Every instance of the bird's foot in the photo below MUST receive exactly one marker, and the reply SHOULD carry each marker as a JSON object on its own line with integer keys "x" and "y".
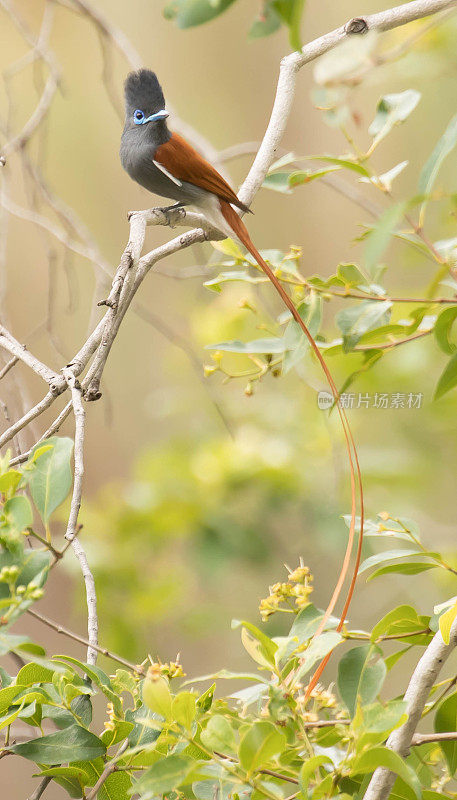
{"x": 168, "y": 212}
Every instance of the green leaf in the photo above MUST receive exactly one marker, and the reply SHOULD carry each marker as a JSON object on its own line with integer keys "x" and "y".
{"x": 184, "y": 709}
{"x": 219, "y": 735}
{"x": 51, "y": 479}
{"x": 302, "y": 176}
{"x": 360, "y": 677}
{"x": 121, "y": 731}
{"x": 308, "y": 768}
{"x": 8, "y": 718}
{"x": 259, "y": 646}
{"x": 291, "y": 12}
{"x": 445, "y": 721}
{"x": 410, "y": 568}
{"x": 9, "y": 481}
{"x": 320, "y": 646}
{"x": 229, "y": 277}
{"x": 445, "y": 622}
{"x": 307, "y": 622}
{"x": 379, "y": 236}
{"x": 164, "y": 776}
{"x": 32, "y": 563}
{"x": 70, "y": 744}
{"x": 448, "y": 379}
{"x": 444, "y": 146}
{"x": 443, "y": 329}
{"x": 392, "y": 109}
{"x": 384, "y": 718}
{"x": 259, "y": 346}
{"x": 261, "y": 742}
{"x": 295, "y": 340}
{"x": 388, "y": 555}
{"x": 188, "y": 13}
{"x": 391, "y": 660}
{"x": 205, "y": 701}
{"x": 34, "y": 673}
{"x": 357, "y": 320}
{"x": 380, "y": 756}
{"x": 11, "y": 641}
{"x": 157, "y": 696}
{"x": 142, "y": 733}
{"x": 385, "y": 180}
{"x": 354, "y": 166}
{"x": 72, "y": 779}
{"x": 350, "y": 275}
{"x": 18, "y": 513}
{"x": 7, "y": 696}
{"x": 267, "y": 23}
{"x": 229, "y": 248}
{"x": 99, "y": 677}
{"x": 116, "y": 787}
{"x": 278, "y": 182}
{"x": 400, "y": 620}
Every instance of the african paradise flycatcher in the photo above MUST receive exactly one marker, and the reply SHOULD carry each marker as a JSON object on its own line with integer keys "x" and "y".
{"x": 165, "y": 164}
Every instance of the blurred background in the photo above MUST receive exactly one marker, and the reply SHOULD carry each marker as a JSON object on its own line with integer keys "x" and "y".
{"x": 196, "y": 494}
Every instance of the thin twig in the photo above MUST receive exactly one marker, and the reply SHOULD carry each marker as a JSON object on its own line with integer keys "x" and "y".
{"x": 70, "y": 535}
{"x": 41, "y": 788}
{"x": 109, "y": 769}
{"x": 9, "y": 365}
{"x": 137, "y": 668}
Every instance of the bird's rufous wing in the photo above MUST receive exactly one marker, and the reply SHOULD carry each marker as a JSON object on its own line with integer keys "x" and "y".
{"x": 183, "y": 162}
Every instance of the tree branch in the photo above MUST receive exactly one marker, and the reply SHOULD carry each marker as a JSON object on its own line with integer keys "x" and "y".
{"x": 110, "y": 767}
{"x": 55, "y": 626}
{"x": 416, "y": 695}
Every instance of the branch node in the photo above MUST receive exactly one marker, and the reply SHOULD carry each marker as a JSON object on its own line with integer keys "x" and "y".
{"x": 357, "y": 25}
{"x": 92, "y": 392}
{"x": 107, "y": 302}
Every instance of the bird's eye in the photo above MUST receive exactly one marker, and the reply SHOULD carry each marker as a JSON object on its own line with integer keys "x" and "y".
{"x": 138, "y": 116}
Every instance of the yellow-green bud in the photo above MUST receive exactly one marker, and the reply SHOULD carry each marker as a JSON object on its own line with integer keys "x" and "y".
{"x": 156, "y": 694}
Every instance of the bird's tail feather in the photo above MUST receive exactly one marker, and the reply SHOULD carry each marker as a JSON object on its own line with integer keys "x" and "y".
{"x": 240, "y": 230}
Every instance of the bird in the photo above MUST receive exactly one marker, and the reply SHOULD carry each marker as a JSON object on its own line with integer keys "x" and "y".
{"x": 164, "y": 163}
{"x": 167, "y": 165}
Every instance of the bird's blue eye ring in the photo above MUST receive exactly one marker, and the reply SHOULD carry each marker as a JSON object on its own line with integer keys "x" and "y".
{"x": 138, "y": 116}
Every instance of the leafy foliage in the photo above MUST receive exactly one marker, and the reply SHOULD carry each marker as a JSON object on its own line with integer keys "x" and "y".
{"x": 273, "y": 14}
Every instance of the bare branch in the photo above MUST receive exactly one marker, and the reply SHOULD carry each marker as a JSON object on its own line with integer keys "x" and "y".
{"x": 422, "y": 680}
{"x": 91, "y": 596}
{"x": 80, "y": 419}
{"x": 82, "y": 640}
{"x": 41, "y": 788}
{"x": 110, "y": 767}
{"x": 21, "y": 423}
{"x": 427, "y": 738}
{"x": 8, "y": 342}
{"x": 291, "y": 64}
{"x": 49, "y": 432}
{"x": 11, "y": 363}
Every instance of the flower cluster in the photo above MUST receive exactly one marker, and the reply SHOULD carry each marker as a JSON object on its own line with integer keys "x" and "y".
{"x": 295, "y": 593}
{"x": 172, "y": 669}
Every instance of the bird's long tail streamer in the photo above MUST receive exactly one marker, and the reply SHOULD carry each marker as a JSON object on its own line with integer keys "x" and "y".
{"x": 241, "y": 232}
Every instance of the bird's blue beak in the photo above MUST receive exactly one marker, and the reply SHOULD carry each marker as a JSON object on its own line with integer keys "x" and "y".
{"x": 158, "y": 115}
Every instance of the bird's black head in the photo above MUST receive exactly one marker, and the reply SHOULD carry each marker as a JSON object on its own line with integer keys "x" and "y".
{"x": 144, "y": 100}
